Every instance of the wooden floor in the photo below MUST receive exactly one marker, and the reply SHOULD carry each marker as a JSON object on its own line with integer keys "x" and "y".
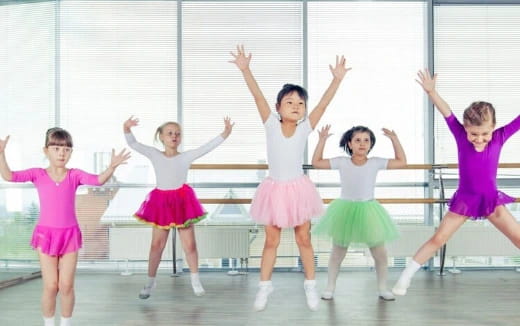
{"x": 471, "y": 298}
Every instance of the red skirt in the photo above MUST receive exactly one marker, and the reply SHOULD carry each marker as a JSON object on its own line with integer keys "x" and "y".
{"x": 166, "y": 209}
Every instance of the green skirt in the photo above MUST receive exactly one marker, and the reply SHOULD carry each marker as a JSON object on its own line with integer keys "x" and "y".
{"x": 365, "y": 222}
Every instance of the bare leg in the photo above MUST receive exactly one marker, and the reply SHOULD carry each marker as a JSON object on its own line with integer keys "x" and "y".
{"x": 303, "y": 240}
{"x": 49, "y": 266}
{"x": 159, "y": 239}
{"x": 265, "y": 287}
{"x": 272, "y": 240}
{"x": 189, "y": 245}
{"x": 192, "y": 256}
{"x": 67, "y": 272}
{"x": 506, "y": 223}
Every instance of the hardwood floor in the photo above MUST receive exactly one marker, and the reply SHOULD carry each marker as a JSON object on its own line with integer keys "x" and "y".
{"x": 470, "y": 298}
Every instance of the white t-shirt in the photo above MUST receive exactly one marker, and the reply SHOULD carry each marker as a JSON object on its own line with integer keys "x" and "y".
{"x": 171, "y": 172}
{"x": 285, "y": 154}
{"x": 358, "y": 182}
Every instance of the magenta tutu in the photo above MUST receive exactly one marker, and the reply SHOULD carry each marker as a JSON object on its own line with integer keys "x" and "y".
{"x": 477, "y": 206}
{"x": 56, "y": 241}
{"x": 286, "y": 203}
{"x": 177, "y": 208}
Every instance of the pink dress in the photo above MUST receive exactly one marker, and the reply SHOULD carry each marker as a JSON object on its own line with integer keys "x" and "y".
{"x": 57, "y": 231}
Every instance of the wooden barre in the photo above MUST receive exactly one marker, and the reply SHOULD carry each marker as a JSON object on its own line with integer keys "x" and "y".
{"x": 328, "y": 200}
{"x": 308, "y": 166}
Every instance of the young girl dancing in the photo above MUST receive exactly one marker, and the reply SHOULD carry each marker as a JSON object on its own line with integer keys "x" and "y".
{"x": 287, "y": 198}
{"x": 172, "y": 204}
{"x": 477, "y": 197}
{"x": 57, "y": 236}
{"x": 357, "y": 217}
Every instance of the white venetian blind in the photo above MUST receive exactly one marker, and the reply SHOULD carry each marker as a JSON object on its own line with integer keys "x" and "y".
{"x": 27, "y": 96}
{"x": 476, "y": 57}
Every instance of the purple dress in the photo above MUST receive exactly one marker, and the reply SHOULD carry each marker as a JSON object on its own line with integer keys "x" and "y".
{"x": 477, "y": 195}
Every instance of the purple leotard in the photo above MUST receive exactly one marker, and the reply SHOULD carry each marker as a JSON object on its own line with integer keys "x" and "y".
{"x": 57, "y": 231}
{"x": 477, "y": 195}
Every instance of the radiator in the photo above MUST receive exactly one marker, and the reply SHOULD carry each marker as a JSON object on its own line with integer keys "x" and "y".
{"x": 480, "y": 240}
{"x": 133, "y": 243}
{"x": 410, "y": 239}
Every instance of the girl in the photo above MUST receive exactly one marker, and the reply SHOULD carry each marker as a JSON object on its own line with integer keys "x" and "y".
{"x": 357, "y": 217}
{"x": 172, "y": 204}
{"x": 57, "y": 236}
{"x": 287, "y": 198}
{"x": 477, "y": 196}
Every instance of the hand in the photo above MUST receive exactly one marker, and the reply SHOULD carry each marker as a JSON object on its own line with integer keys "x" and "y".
{"x": 120, "y": 158}
{"x": 389, "y": 133}
{"x": 131, "y": 122}
{"x": 228, "y": 127}
{"x": 241, "y": 60}
{"x": 339, "y": 71}
{"x": 324, "y": 132}
{"x": 426, "y": 81}
{"x": 3, "y": 144}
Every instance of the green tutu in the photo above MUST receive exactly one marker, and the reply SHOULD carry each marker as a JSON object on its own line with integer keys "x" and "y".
{"x": 347, "y": 222}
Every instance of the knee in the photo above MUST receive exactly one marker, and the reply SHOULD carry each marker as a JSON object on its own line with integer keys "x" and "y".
{"x": 190, "y": 248}
{"x": 303, "y": 240}
{"x": 158, "y": 245}
{"x": 51, "y": 288}
{"x": 272, "y": 242}
{"x": 438, "y": 240}
{"x": 66, "y": 288}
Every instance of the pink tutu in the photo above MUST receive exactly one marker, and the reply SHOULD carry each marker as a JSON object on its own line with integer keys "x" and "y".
{"x": 286, "y": 203}
{"x": 166, "y": 209}
{"x": 477, "y": 206}
{"x": 56, "y": 241}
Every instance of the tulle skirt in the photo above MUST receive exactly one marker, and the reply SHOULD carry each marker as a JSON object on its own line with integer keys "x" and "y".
{"x": 477, "y": 206}
{"x": 56, "y": 241}
{"x": 364, "y": 222}
{"x": 166, "y": 209}
{"x": 286, "y": 203}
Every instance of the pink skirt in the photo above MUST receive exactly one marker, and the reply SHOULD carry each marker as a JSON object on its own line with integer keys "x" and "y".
{"x": 166, "y": 209}
{"x": 286, "y": 203}
{"x": 56, "y": 241}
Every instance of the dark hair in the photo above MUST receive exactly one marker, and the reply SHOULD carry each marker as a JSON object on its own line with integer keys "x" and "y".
{"x": 347, "y": 137}
{"x": 479, "y": 112}
{"x": 289, "y": 88}
{"x": 58, "y": 137}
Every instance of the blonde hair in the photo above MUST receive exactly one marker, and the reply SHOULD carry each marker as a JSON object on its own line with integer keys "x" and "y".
{"x": 478, "y": 113}
{"x": 161, "y": 127}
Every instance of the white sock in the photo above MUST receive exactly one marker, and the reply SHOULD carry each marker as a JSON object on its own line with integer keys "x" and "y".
{"x": 410, "y": 270}
{"x": 65, "y": 321}
{"x": 151, "y": 282}
{"x": 48, "y": 321}
{"x": 265, "y": 283}
{"x": 336, "y": 257}
{"x": 196, "y": 285}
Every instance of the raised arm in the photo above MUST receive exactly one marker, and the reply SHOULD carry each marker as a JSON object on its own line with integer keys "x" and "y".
{"x": 400, "y": 157}
{"x": 116, "y": 160}
{"x": 132, "y": 142}
{"x": 242, "y": 62}
{"x": 5, "y": 171}
{"x": 338, "y": 72}
{"x": 194, "y": 154}
{"x": 317, "y": 158}
{"x": 427, "y": 82}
